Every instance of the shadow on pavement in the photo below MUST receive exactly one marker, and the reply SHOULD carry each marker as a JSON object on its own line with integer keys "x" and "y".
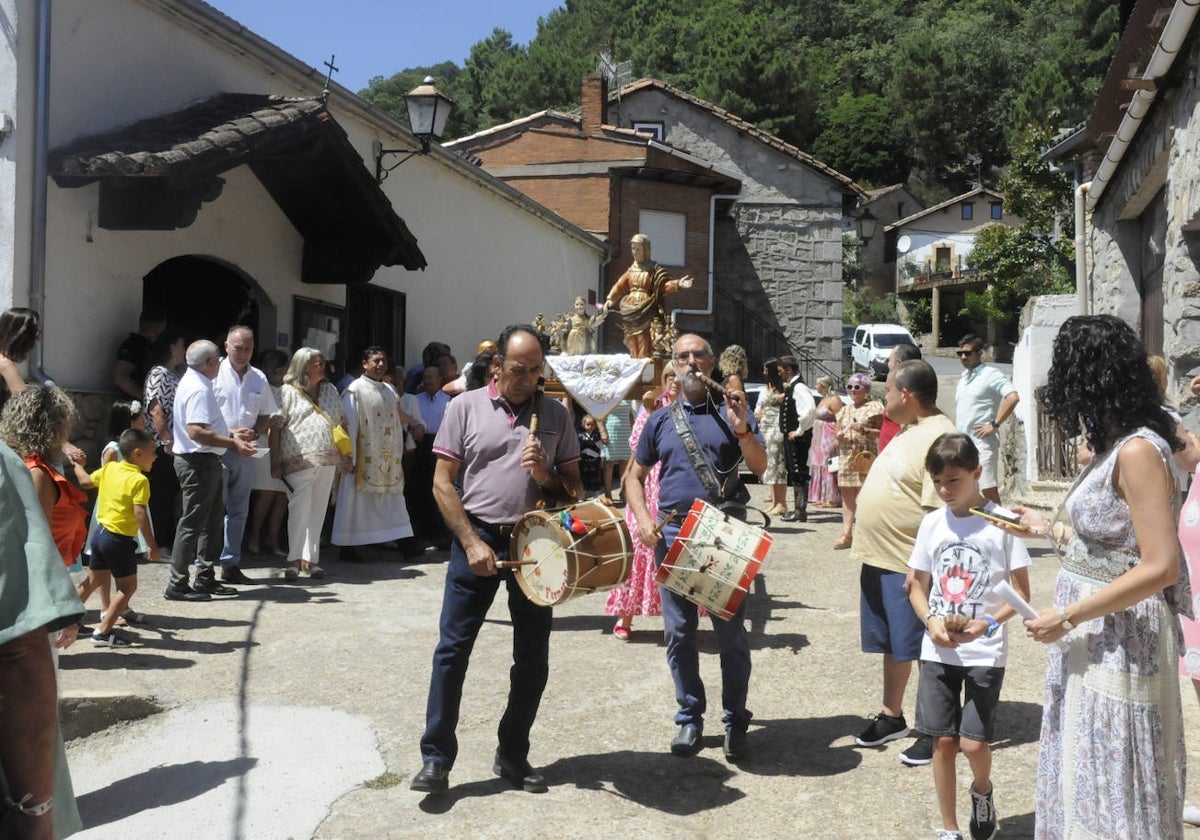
{"x": 1021, "y": 723}
{"x": 801, "y": 746}
{"x": 1018, "y": 826}
{"x": 106, "y": 660}
{"x": 159, "y": 787}
{"x": 680, "y": 786}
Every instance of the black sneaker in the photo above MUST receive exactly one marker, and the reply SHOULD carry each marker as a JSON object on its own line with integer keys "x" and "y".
{"x": 113, "y": 639}
{"x": 983, "y": 815}
{"x": 211, "y": 587}
{"x": 920, "y": 753}
{"x": 883, "y": 728}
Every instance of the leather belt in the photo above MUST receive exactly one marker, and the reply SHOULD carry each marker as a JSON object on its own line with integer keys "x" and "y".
{"x": 497, "y": 531}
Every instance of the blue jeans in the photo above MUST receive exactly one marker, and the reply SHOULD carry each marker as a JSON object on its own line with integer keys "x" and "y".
{"x": 680, "y": 620}
{"x": 238, "y": 474}
{"x": 465, "y": 604}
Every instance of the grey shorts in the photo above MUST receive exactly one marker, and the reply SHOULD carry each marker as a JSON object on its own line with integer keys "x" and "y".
{"x": 958, "y": 700}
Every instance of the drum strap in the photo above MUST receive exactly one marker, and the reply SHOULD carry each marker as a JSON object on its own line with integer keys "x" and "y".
{"x": 704, "y": 470}
{"x": 687, "y": 436}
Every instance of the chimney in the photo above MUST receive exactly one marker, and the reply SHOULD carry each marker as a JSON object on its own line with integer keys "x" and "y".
{"x": 595, "y": 102}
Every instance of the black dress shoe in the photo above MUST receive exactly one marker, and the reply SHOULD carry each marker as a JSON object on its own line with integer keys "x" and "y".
{"x": 802, "y": 514}
{"x": 185, "y": 594}
{"x": 433, "y": 777}
{"x": 211, "y": 587}
{"x": 687, "y": 742}
{"x": 519, "y": 774}
{"x": 232, "y": 574}
{"x": 792, "y": 516}
{"x": 349, "y": 554}
{"x": 736, "y": 745}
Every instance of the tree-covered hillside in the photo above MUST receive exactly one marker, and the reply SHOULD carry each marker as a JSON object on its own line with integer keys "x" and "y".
{"x": 883, "y": 90}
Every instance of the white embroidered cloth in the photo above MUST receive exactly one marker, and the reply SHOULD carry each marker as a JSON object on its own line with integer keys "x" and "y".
{"x": 598, "y": 383}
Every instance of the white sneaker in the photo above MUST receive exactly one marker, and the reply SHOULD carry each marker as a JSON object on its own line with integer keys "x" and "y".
{"x": 947, "y": 834}
{"x": 1191, "y": 815}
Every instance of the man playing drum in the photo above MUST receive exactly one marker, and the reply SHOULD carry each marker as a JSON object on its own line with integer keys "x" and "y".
{"x": 511, "y": 449}
{"x": 725, "y": 434}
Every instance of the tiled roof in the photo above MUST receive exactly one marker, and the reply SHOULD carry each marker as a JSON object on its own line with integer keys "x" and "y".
{"x": 744, "y": 127}
{"x": 197, "y": 140}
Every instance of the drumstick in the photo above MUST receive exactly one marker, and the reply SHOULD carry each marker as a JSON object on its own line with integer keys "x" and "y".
{"x": 658, "y": 528}
{"x": 510, "y": 563}
{"x": 710, "y": 382}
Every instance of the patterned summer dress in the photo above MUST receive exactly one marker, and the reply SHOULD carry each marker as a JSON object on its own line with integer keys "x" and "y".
{"x": 1112, "y": 758}
{"x": 868, "y": 414}
{"x": 639, "y": 595}
{"x": 772, "y": 434}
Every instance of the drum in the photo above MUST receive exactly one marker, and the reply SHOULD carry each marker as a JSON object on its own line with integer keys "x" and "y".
{"x": 714, "y": 560}
{"x": 562, "y": 554}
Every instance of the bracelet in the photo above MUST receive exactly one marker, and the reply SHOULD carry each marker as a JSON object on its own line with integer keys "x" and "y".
{"x": 1066, "y": 622}
{"x": 928, "y": 615}
{"x": 744, "y": 435}
{"x": 992, "y": 624}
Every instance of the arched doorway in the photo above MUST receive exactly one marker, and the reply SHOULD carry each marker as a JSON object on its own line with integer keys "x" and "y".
{"x": 203, "y": 298}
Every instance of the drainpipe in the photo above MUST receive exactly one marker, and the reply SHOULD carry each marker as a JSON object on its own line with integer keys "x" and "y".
{"x": 1165, "y": 53}
{"x": 712, "y": 227}
{"x": 41, "y": 153}
{"x": 1082, "y": 281}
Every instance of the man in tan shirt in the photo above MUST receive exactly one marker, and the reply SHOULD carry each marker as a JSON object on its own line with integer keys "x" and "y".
{"x": 895, "y": 496}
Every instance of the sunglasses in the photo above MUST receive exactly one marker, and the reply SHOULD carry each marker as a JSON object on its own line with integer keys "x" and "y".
{"x": 858, "y": 388}
{"x": 964, "y": 353}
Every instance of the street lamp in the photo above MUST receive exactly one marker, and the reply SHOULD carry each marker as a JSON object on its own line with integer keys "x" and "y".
{"x": 428, "y": 110}
{"x": 867, "y": 225}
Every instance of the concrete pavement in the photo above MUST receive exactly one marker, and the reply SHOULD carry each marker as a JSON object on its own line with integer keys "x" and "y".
{"x": 294, "y": 711}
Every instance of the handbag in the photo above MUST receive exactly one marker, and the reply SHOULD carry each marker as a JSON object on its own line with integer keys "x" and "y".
{"x": 341, "y": 438}
{"x": 834, "y": 463}
{"x": 862, "y": 461}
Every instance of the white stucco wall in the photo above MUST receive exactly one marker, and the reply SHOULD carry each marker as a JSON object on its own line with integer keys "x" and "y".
{"x": 491, "y": 261}
{"x": 1031, "y": 363}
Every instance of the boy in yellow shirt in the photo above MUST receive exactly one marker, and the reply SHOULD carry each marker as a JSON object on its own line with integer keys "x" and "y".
{"x": 121, "y": 512}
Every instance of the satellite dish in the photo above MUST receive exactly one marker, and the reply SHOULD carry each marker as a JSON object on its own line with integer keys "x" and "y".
{"x": 903, "y": 245}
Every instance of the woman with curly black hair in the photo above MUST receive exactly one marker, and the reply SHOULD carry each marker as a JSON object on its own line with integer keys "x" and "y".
{"x": 1112, "y": 751}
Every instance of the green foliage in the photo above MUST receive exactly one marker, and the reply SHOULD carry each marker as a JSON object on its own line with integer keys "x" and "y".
{"x": 862, "y": 136}
{"x": 862, "y": 306}
{"x": 1031, "y": 190}
{"x": 920, "y": 315}
{"x": 883, "y": 90}
{"x": 1018, "y": 263}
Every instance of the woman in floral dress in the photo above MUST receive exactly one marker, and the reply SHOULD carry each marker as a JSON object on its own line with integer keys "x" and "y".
{"x": 822, "y": 484}
{"x": 638, "y": 595}
{"x": 1111, "y": 758}
{"x": 767, "y": 414}
{"x": 857, "y": 431}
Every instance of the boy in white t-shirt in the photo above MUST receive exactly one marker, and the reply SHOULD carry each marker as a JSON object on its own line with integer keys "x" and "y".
{"x": 958, "y": 559}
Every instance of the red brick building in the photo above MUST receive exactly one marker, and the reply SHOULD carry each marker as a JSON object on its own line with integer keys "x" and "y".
{"x": 614, "y": 182}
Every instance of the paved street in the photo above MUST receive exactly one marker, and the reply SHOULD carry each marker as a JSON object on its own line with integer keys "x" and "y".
{"x": 294, "y": 711}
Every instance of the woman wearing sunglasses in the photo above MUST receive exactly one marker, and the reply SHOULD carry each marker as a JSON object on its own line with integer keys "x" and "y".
{"x": 858, "y": 427}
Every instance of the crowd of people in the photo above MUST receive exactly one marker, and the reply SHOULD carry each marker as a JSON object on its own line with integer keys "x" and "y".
{"x": 248, "y": 447}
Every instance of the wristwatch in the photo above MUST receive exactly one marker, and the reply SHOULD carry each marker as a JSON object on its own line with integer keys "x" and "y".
{"x": 995, "y": 422}
{"x": 993, "y": 626}
{"x": 1066, "y": 622}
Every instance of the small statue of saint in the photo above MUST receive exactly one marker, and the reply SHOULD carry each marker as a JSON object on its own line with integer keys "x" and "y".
{"x": 581, "y": 331}
{"x": 639, "y": 293}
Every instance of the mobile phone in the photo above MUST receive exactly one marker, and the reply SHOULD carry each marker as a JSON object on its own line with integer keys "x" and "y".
{"x": 1002, "y": 516}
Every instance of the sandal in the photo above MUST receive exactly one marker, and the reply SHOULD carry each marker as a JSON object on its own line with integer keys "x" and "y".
{"x": 315, "y": 571}
{"x": 621, "y": 631}
{"x": 133, "y": 616}
{"x": 291, "y": 571}
{"x": 844, "y": 541}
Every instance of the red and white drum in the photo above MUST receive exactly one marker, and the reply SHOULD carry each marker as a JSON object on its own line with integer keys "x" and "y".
{"x": 714, "y": 560}
{"x": 560, "y": 555}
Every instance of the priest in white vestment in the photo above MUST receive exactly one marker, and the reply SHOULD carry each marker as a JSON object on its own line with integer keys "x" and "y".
{"x": 370, "y": 503}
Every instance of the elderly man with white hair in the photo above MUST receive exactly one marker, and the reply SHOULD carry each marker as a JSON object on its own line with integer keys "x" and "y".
{"x": 201, "y": 437}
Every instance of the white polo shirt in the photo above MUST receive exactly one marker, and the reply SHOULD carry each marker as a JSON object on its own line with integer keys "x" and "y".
{"x": 195, "y": 402}
{"x": 243, "y": 399}
{"x": 980, "y": 391}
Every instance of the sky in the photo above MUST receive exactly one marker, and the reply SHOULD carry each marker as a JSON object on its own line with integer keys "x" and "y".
{"x": 382, "y": 37}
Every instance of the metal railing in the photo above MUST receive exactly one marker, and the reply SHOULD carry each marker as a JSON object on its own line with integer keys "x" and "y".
{"x": 733, "y": 323}
{"x": 1056, "y": 454}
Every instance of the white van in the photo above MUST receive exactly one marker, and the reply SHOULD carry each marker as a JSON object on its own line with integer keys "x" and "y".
{"x": 873, "y": 344}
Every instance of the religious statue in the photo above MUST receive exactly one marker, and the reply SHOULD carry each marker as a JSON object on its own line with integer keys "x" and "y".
{"x": 640, "y": 292}
{"x": 581, "y": 329}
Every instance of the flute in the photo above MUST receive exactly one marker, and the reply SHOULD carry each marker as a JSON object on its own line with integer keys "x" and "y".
{"x": 537, "y": 403}
{"x": 711, "y": 383}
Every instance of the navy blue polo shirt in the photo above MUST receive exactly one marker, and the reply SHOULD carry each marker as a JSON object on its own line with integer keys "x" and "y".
{"x": 678, "y": 484}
